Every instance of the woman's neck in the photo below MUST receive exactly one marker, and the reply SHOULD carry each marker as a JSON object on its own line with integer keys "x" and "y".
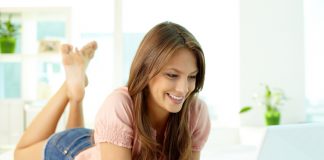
{"x": 158, "y": 118}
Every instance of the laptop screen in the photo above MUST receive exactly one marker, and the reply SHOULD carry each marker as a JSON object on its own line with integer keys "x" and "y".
{"x": 293, "y": 142}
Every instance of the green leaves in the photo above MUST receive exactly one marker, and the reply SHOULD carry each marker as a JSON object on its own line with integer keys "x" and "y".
{"x": 7, "y": 28}
{"x": 267, "y": 97}
{"x": 245, "y": 109}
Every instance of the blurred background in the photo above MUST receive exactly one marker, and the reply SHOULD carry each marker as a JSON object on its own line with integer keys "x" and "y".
{"x": 246, "y": 43}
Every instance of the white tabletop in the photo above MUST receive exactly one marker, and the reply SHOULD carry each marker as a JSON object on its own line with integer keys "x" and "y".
{"x": 230, "y": 152}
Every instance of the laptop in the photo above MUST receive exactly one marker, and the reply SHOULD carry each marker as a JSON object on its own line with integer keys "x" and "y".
{"x": 293, "y": 142}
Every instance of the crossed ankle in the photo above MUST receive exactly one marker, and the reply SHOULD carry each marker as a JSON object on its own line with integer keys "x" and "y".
{"x": 76, "y": 101}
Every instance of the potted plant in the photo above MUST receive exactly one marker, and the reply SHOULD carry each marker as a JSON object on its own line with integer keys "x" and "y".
{"x": 8, "y": 33}
{"x": 271, "y": 99}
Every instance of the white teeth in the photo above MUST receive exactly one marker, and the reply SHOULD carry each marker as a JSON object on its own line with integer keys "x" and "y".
{"x": 175, "y": 97}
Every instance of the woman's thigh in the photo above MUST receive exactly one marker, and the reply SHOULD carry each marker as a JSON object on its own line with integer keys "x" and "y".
{"x": 33, "y": 152}
{"x": 60, "y": 146}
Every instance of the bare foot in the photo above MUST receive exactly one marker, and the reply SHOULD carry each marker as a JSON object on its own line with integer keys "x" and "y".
{"x": 75, "y": 63}
{"x": 88, "y": 51}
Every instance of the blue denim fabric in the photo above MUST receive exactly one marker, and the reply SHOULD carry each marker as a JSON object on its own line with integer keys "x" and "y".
{"x": 67, "y": 144}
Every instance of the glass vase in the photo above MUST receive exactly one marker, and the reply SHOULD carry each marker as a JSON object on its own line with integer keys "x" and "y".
{"x": 7, "y": 45}
{"x": 272, "y": 117}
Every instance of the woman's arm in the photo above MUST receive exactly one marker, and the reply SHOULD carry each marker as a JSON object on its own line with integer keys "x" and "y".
{"x": 112, "y": 152}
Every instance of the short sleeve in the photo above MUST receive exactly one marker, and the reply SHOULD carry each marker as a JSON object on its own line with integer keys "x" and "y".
{"x": 200, "y": 124}
{"x": 114, "y": 120}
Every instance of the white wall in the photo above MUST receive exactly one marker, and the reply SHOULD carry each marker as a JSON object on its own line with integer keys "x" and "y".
{"x": 272, "y": 52}
{"x": 271, "y": 42}
{"x": 11, "y": 121}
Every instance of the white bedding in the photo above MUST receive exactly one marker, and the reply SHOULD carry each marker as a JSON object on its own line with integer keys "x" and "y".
{"x": 8, "y": 155}
{"x": 233, "y": 152}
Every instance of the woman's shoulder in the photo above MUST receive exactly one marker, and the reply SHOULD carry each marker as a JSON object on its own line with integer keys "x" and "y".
{"x": 121, "y": 92}
{"x": 199, "y": 123}
{"x": 114, "y": 120}
{"x": 119, "y": 95}
{"x": 198, "y": 105}
{"x": 118, "y": 101}
{"x": 198, "y": 112}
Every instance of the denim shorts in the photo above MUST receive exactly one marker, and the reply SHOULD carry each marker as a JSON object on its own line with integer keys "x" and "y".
{"x": 67, "y": 144}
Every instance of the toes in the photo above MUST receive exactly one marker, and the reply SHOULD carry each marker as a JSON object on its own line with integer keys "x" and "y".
{"x": 91, "y": 45}
{"x": 94, "y": 45}
{"x": 89, "y": 48}
{"x": 66, "y": 48}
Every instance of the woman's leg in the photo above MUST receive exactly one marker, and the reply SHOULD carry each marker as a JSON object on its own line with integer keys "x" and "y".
{"x": 44, "y": 124}
{"x": 31, "y": 144}
{"x": 75, "y": 118}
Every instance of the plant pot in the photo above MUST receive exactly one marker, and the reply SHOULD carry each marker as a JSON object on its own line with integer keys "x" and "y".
{"x": 272, "y": 117}
{"x": 7, "y": 44}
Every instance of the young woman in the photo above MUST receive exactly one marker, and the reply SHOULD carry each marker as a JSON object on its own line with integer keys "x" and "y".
{"x": 156, "y": 116}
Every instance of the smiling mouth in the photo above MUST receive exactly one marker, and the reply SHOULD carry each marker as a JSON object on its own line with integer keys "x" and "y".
{"x": 176, "y": 99}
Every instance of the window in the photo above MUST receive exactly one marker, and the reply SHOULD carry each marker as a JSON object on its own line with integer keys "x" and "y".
{"x": 10, "y": 80}
{"x": 314, "y": 56}
{"x": 214, "y": 23}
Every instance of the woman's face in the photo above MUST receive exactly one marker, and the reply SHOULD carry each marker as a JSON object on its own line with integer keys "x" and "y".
{"x": 169, "y": 89}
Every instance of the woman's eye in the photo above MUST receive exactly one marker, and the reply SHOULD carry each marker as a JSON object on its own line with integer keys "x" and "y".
{"x": 170, "y": 75}
{"x": 192, "y": 77}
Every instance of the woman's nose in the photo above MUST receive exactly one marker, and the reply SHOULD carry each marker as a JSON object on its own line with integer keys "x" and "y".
{"x": 182, "y": 86}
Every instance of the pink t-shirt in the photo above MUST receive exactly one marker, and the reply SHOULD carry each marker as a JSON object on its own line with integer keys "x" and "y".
{"x": 114, "y": 124}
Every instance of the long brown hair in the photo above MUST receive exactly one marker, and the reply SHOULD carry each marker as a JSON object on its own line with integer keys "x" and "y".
{"x": 158, "y": 45}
